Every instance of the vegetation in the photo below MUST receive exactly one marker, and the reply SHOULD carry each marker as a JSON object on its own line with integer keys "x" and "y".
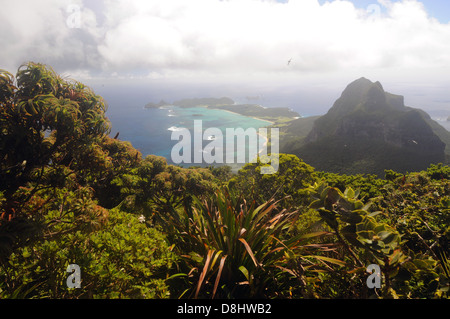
{"x": 277, "y": 115}
{"x": 140, "y": 228}
{"x": 204, "y": 102}
{"x": 368, "y": 130}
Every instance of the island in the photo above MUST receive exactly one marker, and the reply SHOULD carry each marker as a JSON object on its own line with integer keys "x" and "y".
{"x": 161, "y": 103}
{"x": 276, "y": 115}
{"x": 207, "y": 102}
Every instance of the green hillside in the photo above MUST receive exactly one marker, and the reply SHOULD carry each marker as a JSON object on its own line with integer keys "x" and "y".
{"x": 368, "y": 130}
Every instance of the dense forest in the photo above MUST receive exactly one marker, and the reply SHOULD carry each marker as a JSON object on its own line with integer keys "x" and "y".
{"x": 141, "y": 228}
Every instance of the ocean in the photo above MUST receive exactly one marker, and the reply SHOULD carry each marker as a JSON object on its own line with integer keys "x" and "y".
{"x": 150, "y": 129}
{"x": 443, "y": 122}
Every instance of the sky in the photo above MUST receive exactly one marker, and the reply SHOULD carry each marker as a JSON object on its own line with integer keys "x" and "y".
{"x": 239, "y": 47}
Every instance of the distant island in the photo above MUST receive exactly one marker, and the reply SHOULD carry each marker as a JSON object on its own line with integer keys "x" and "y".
{"x": 206, "y": 102}
{"x": 276, "y": 115}
{"x": 156, "y": 105}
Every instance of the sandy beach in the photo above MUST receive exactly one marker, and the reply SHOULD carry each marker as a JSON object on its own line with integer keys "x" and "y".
{"x": 253, "y": 117}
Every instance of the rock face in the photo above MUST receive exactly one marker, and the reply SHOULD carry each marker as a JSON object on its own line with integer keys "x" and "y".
{"x": 368, "y": 130}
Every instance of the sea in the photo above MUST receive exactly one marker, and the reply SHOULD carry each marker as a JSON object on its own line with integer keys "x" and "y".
{"x": 443, "y": 121}
{"x": 153, "y": 131}
{"x": 150, "y": 129}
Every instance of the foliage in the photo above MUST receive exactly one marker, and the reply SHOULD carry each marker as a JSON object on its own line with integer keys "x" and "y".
{"x": 237, "y": 249}
{"x": 287, "y": 184}
{"x": 438, "y": 171}
{"x": 51, "y": 131}
{"x": 141, "y": 228}
{"x": 223, "y": 173}
{"x": 368, "y": 185}
{"x": 389, "y": 231}
{"x": 127, "y": 259}
{"x": 155, "y": 188}
{"x": 46, "y": 121}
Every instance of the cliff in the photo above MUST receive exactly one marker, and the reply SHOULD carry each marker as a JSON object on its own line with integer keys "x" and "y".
{"x": 368, "y": 130}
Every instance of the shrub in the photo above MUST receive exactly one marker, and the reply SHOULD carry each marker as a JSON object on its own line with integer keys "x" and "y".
{"x": 125, "y": 259}
{"x": 235, "y": 249}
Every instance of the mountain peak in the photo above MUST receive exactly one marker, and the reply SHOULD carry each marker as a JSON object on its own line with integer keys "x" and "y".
{"x": 364, "y": 95}
{"x": 361, "y": 85}
{"x": 366, "y": 122}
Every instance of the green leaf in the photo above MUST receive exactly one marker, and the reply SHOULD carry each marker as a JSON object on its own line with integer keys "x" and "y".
{"x": 349, "y": 193}
{"x": 387, "y": 237}
{"x": 365, "y": 234}
{"x": 26, "y": 253}
{"x": 330, "y": 260}
{"x": 245, "y": 272}
{"x": 176, "y": 276}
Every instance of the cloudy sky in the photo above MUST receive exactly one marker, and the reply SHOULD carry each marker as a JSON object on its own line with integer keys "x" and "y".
{"x": 404, "y": 44}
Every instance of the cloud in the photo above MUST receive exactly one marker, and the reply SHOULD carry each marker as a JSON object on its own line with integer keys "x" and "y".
{"x": 234, "y": 39}
{"x": 44, "y": 32}
{"x": 254, "y": 38}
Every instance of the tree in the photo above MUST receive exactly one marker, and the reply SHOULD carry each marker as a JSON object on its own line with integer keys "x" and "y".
{"x": 157, "y": 189}
{"x": 288, "y": 184}
{"x": 46, "y": 121}
{"x": 53, "y": 152}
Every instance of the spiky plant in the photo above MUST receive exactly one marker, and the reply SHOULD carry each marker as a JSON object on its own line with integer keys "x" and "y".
{"x": 239, "y": 250}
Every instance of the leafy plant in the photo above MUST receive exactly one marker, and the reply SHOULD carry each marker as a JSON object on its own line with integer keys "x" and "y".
{"x": 355, "y": 226}
{"x": 288, "y": 185}
{"x": 240, "y": 250}
{"x": 126, "y": 259}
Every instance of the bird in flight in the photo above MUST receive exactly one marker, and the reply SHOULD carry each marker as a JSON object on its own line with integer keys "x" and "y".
{"x": 289, "y": 62}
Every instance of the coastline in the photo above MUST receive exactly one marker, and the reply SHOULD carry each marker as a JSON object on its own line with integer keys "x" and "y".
{"x": 213, "y": 108}
{"x": 253, "y": 117}
{"x": 266, "y": 140}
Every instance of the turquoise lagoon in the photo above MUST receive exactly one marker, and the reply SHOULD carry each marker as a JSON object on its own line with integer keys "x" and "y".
{"x": 150, "y": 130}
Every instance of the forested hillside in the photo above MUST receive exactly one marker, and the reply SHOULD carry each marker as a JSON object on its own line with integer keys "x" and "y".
{"x": 368, "y": 130}
{"x": 140, "y": 228}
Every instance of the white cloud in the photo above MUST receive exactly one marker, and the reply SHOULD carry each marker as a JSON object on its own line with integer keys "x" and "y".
{"x": 234, "y": 39}
{"x": 246, "y": 37}
{"x": 46, "y": 31}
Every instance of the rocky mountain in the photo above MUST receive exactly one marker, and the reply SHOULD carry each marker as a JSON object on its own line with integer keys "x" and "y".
{"x": 368, "y": 130}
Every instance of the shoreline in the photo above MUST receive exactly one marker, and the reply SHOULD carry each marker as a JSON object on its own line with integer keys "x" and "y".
{"x": 213, "y": 108}
{"x": 253, "y": 117}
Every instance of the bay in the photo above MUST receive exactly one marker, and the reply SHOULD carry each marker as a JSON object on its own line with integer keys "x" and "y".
{"x": 150, "y": 130}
